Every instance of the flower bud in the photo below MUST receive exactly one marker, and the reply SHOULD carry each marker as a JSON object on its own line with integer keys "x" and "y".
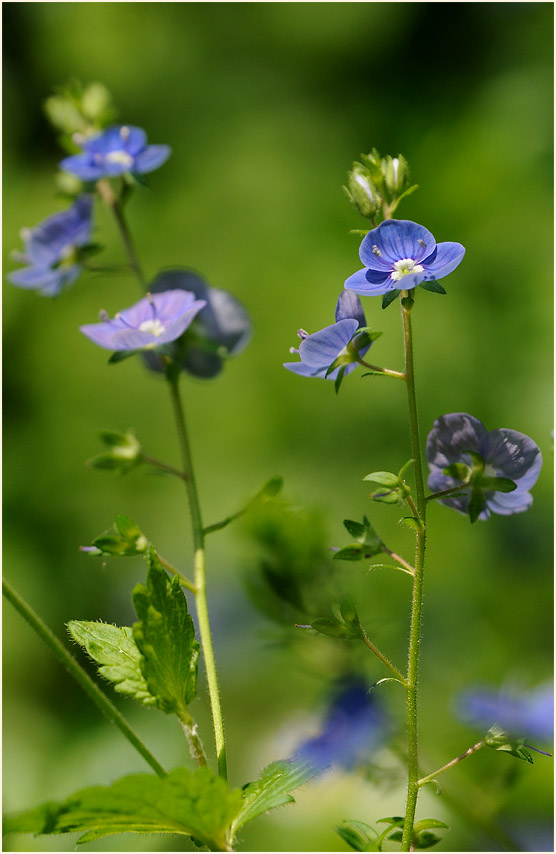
{"x": 395, "y": 171}
{"x": 123, "y": 452}
{"x": 362, "y": 191}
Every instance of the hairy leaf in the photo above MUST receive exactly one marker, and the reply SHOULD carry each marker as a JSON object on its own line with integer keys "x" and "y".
{"x": 272, "y": 789}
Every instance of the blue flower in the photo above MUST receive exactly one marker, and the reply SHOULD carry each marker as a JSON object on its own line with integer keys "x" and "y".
{"x": 118, "y": 149}
{"x": 220, "y": 330}
{"x": 319, "y": 350}
{"x": 457, "y": 441}
{"x": 399, "y": 255}
{"x": 530, "y": 715}
{"x": 354, "y": 725}
{"x": 52, "y": 250}
{"x": 155, "y": 320}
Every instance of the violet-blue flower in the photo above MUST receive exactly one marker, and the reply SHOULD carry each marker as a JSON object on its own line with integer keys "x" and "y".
{"x": 220, "y": 330}
{"x": 519, "y": 714}
{"x": 353, "y": 726}
{"x": 458, "y": 442}
{"x": 51, "y": 250}
{"x": 321, "y": 349}
{"x": 155, "y": 320}
{"x": 399, "y": 255}
{"x": 118, "y": 149}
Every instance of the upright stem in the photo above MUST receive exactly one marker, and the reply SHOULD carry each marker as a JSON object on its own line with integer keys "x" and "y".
{"x": 417, "y": 601}
{"x": 200, "y": 579}
{"x": 109, "y": 196}
{"x": 81, "y": 676}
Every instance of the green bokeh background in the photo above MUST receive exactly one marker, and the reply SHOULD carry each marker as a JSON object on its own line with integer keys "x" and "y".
{"x": 265, "y": 106}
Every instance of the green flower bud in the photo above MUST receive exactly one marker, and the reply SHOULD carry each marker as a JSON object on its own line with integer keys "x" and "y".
{"x": 362, "y": 191}
{"x": 395, "y": 171}
{"x": 123, "y": 452}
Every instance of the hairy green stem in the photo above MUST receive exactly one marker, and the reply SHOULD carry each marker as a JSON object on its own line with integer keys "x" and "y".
{"x": 480, "y": 744}
{"x": 108, "y": 195}
{"x": 80, "y": 675}
{"x": 200, "y": 579}
{"x": 417, "y": 599}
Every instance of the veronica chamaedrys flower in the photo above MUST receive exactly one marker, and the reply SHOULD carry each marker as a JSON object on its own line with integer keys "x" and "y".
{"x": 399, "y": 255}
{"x": 118, "y": 149}
{"x": 520, "y": 714}
{"x": 221, "y": 329}
{"x": 319, "y": 350}
{"x": 353, "y": 726}
{"x": 459, "y": 438}
{"x": 51, "y": 250}
{"x": 155, "y": 320}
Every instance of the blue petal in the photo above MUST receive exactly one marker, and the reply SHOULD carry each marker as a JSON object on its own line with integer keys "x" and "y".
{"x": 451, "y": 436}
{"x": 102, "y": 334}
{"x": 369, "y": 282}
{"x": 151, "y": 158}
{"x": 178, "y": 326}
{"x": 409, "y": 281}
{"x": 512, "y": 454}
{"x": 304, "y": 370}
{"x": 395, "y": 239}
{"x": 320, "y": 349}
{"x": 82, "y": 166}
{"x": 349, "y": 305}
{"x": 36, "y": 278}
{"x": 445, "y": 259}
{"x": 508, "y": 503}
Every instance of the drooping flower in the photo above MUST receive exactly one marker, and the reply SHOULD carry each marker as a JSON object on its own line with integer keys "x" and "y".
{"x": 52, "y": 250}
{"x": 484, "y": 463}
{"x": 353, "y": 726}
{"x": 321, "y": 349}
{"x": 220, "y": 330}
{"x": 118, "y": 149}
{"x": 519, "y": 714}
{"x": 399, "y": 255}
{"x": 155, "y": 320}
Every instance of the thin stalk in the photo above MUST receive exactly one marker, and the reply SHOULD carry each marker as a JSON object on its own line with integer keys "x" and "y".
{"x": 108, "y": 195}
{"x": 451, "y": 764}
{"x": 200, "y": 579}
{"x": 81, "y": 677}
{"x": 417, "y": 599}
{"x": 185, "y": 582}
{"x": 384, "y": 660}
{"x": 152, "y": 461}
{"x": 446, "y": 492}
{"x": 386, "y": 371}
{"x": 399, "y": 559}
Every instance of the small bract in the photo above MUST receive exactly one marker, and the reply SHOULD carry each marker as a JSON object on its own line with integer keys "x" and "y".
{"x": 458, "y": 438}
{"x": 118, "y": 149}
{"x": 155, "y": 320}
{"x": 399, "y": 255}
{"x": 52, "y": 250}
{"x": 321, "y": 349}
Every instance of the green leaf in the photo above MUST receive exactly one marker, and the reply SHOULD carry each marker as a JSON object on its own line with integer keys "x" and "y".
{"x": 427, "y": 823}
{"x": 395, "y": 836}
{"x": 389, "y": 297}
{"x": 383, "y": 478}
{"x": 356, "y": 529}
{"x": 116, "y": 652}
{"x": 498, "y": 484}
{"x": 358, "y": 835}
{"x": 458, "y": 470}
{"x": 348, "y": 612}
{"x": 425, "y": 840}
{"x": 433, "y": 286}
{"x": 165, "y": 636}
{"x": 197, "y": 804}
{"x": 394, "y": 820}
{"x": 272, "y": 789}
{"x": 390, "y": 566}
{"x": 271, "y": 488}
{"x": 412, "y": 522}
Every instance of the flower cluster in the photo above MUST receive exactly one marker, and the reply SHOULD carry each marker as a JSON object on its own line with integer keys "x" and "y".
{"x": 115, "y": 151}
{"x": 53, "y": 250}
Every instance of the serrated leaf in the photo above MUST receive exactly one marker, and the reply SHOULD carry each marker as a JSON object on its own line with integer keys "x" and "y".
{"x": 165, "y": 636}
{"x": 117, "y": 655}
{"x": 433, "y": 286}
{"x": 389, "y": 297}
{"x": 358, "y": 835}
{"x": 272, "y": 789}
{"x": 197, "y": 804}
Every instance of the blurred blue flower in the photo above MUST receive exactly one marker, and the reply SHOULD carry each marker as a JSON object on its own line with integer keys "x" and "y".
{"x": 530, "y": 715}
{"x": 399, "y": 255}
{"x": 506, "y": 454}
{"x": 220, "y": 330}
{"x": 354, "y": 725}
{"x": 319, "y": 350}
{"x": 118, "y": 149}
{"x": 52, "y": 250}
{"x": 155, "y": 320}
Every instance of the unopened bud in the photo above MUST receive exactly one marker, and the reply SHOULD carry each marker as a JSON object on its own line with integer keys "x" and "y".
{"x": 362, "y": 191}
{"x": 395, "y": 172}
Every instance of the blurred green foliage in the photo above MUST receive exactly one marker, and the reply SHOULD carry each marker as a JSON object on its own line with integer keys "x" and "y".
{"x": 265, "y": 107}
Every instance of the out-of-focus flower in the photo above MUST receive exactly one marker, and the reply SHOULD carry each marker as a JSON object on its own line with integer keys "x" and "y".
{"x": 353, "y": 726}
{"x": 52, "y": 250}
{"x": 399, "y": 255}
{"x": 321, "y": 349}
{"x": 220, "y": 330}
{"x": 519, "y": 714}
{"x": 495, "y": 468}
{"x": 155, "y": 320}
{"x": 118, "y": 149}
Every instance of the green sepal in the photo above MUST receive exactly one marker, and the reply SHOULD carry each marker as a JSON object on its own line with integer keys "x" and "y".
{"x": 498, "y": 484}
{"x": 389, "y": 297}
{"x": 390, "y": 489}
{"x": 433, "y": 286}
{"x": 358, "y": 835}
{"x": 138, "y": 178}
{"x": 165, "y": 636}
{"x": 364, "y": 337}
{"x": 355, "y": 551}
{"x": 425, "y": 840}
{"x": 339, "y": 379}
{"x": 391, "y": 832}
{"x": 121, "y": 355}
{"x": 345, "y": 626}
{"x": 197, "y": 804}
{"x": 128, "y": 540}
{"x": 404, "y": 468}
{"x": 272, "y": 789}
{"x": 413, "y": 523}
{"x": 357, "y": 530}
{"x": 408, "y": 301}
{"x": 459, "y": 471}
{"x": 476, "y": 504}
{"x": 365, "y": 535}
{"x": 395, "y": 836}
{"x": 497, "y": 739}
{"x": 427, "y": 823}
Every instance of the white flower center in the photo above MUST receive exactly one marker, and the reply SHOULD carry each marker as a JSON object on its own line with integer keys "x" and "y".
{"x": 119, "y": 156}
{"x": 155, "y": 327}
{"x": 405, "y": 266}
